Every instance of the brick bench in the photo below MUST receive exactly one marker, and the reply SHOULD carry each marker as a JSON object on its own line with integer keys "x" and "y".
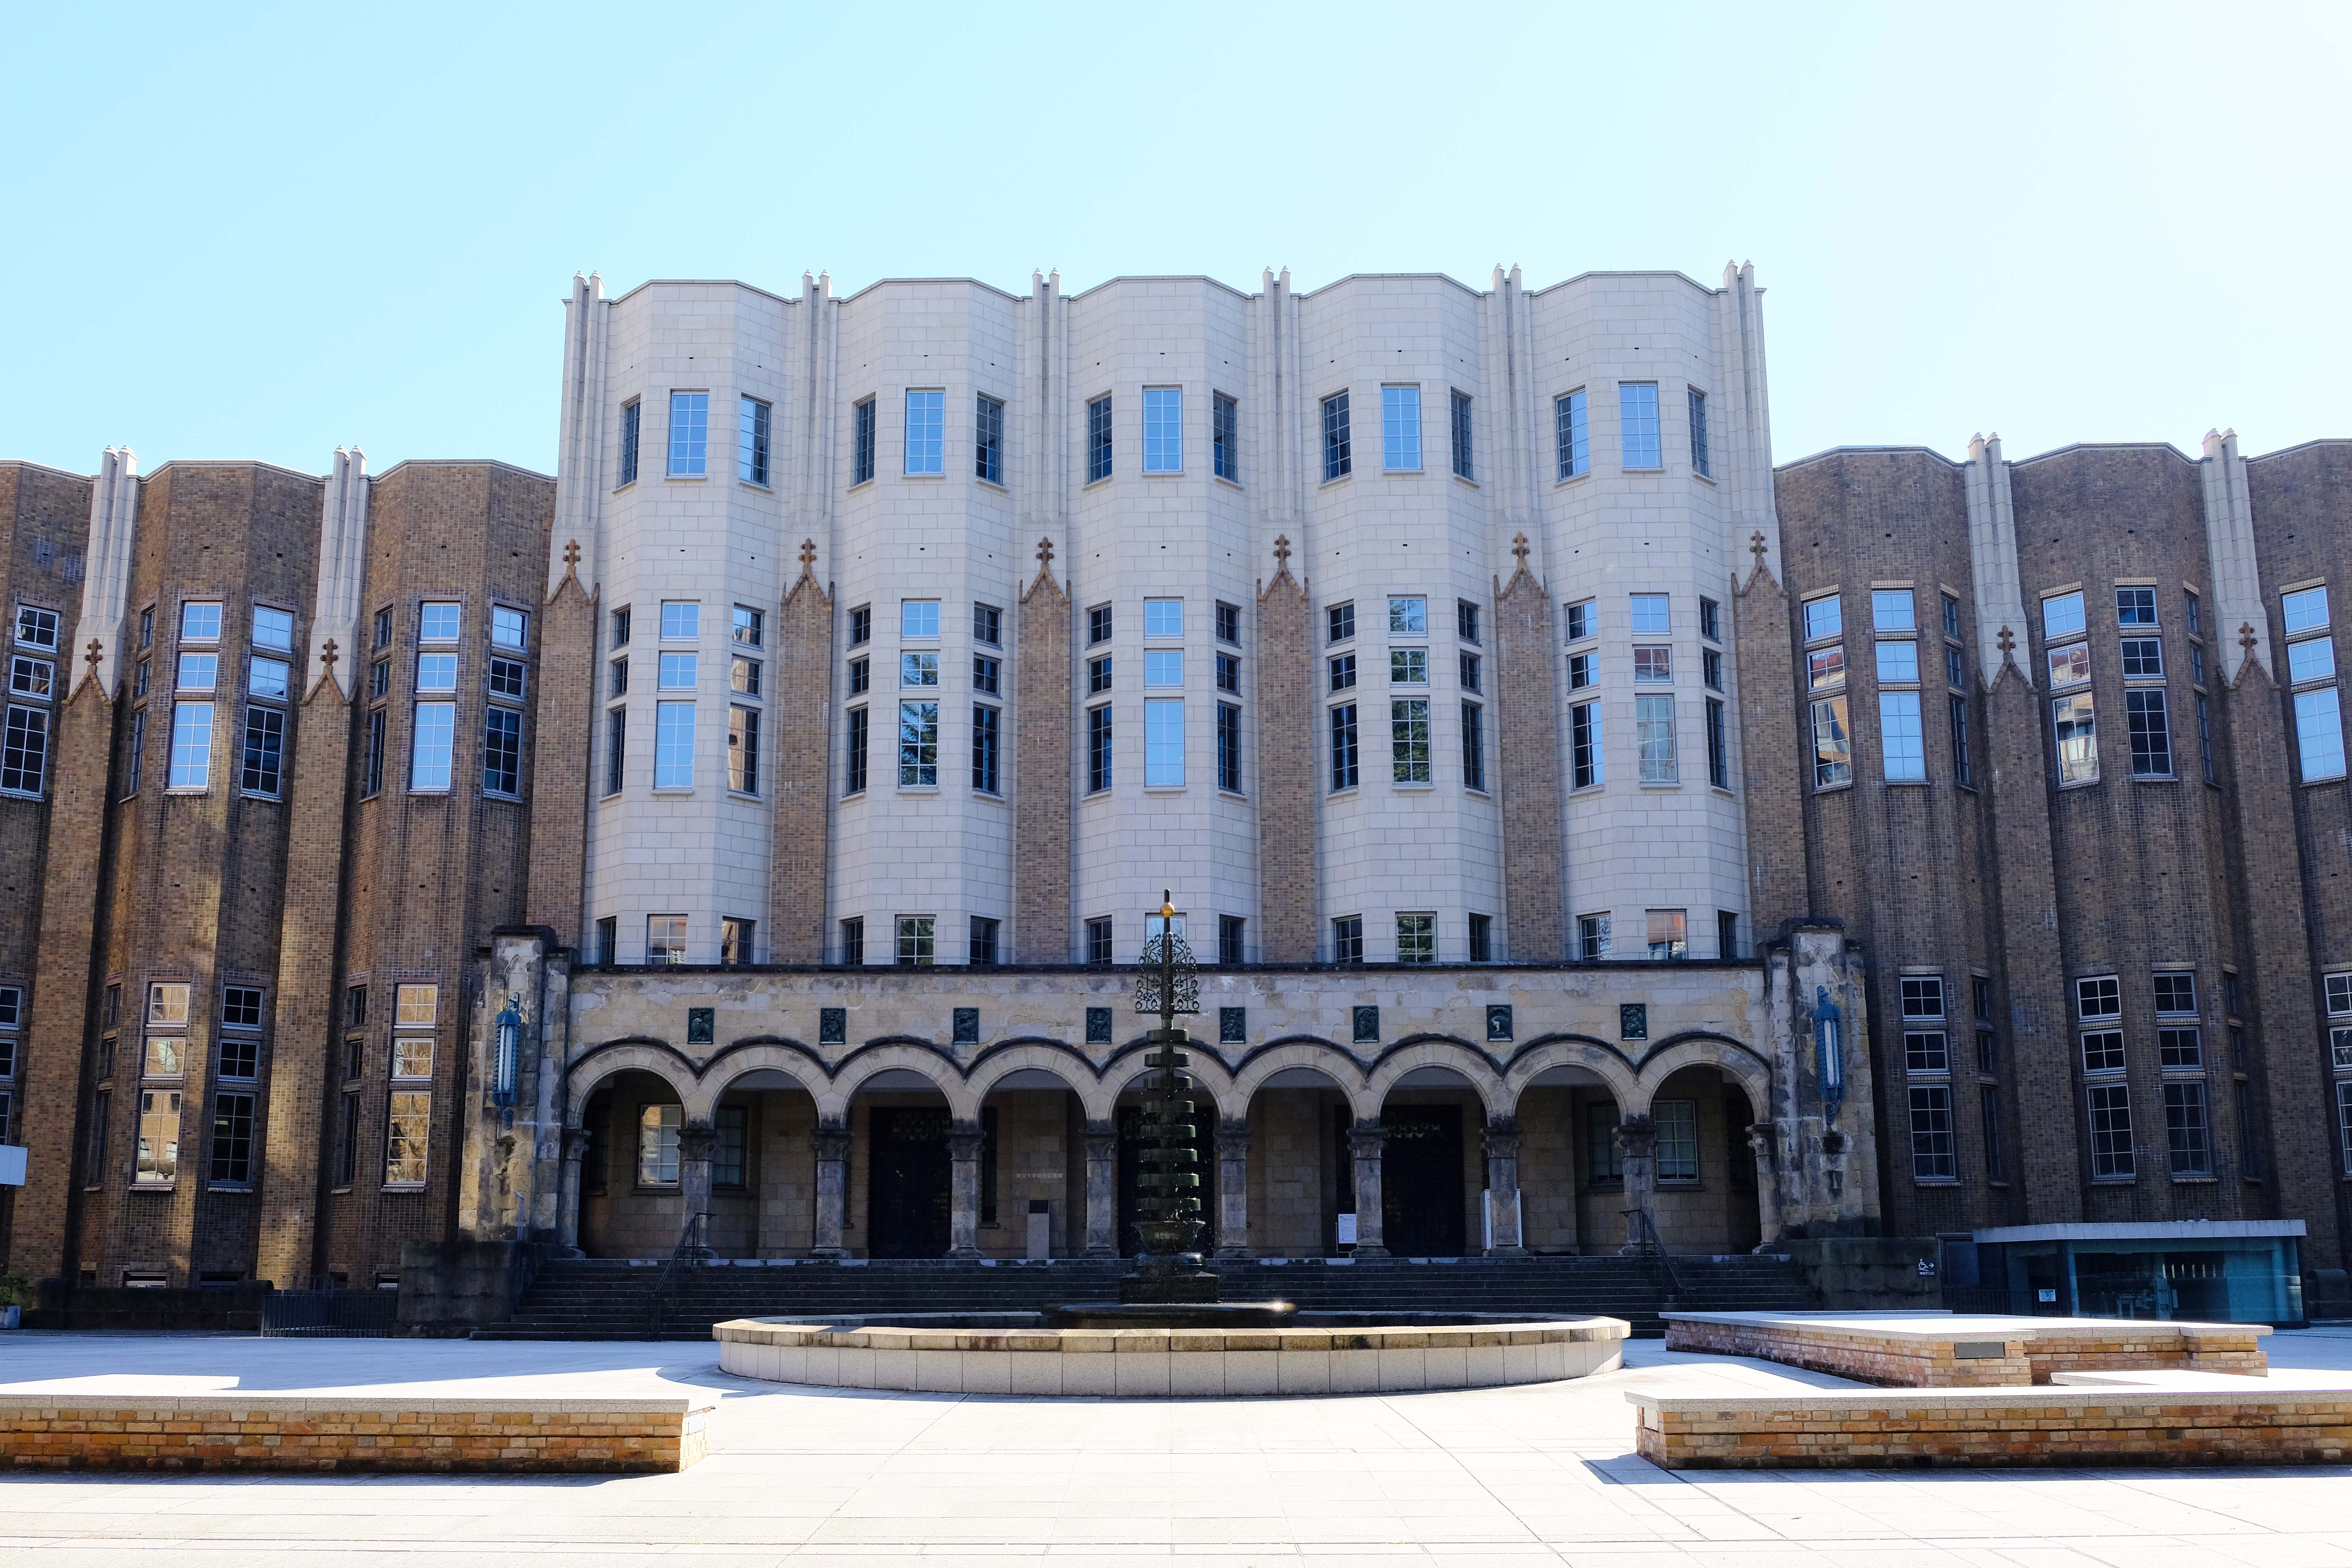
{"x": 1939, "y": 1350}
{"x": 349, "y": 1433}
{"x": 2085, "y": 1427}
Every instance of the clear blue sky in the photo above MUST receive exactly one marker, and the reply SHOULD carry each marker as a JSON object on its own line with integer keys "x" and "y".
{"x": 259, "y": 236}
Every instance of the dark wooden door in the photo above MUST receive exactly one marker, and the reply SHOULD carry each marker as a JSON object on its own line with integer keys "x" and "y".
{"x": 1421, "y": 1181}
{"x": 906, "y": 1183}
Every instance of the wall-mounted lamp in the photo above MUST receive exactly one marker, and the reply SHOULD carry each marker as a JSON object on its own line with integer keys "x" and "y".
{"x": 1828, "y": 1044}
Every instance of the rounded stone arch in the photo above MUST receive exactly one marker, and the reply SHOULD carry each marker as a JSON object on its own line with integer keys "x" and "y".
{"x": 1335, "y": 1063}
{"x": 723, "y": 1071}
{"x": 832, "y": 1097}
{"x": 1728, "y": 1056}
{"x": 633, "y": 1054}
{"x": 1127, "y": 1071}
{"x": 1466, "y": 1062}
{"x": 1616, "y": 1074}
{"x": 1073, "y": 1069}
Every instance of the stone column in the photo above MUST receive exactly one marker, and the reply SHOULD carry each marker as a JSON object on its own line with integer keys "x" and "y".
{"x": 1365, "y": 1142}
{"x": 964, "y": 1141}
{"x": 695, "y": 1144}
{"x": 1503, "y": 1187}
{"x": 832, "y": 1218}
{"x": 567, "y": 1208}
{"x": 1102, "y": 1189}
{"x": 1233, "y": 1188}
{"x": 1767, "y": 1185}
{"x": 1639, "y": 1138}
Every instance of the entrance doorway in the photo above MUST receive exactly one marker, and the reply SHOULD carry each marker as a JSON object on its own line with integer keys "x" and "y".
{"x": 906, "y": 1182}
{"x": 1421, "y": 1181}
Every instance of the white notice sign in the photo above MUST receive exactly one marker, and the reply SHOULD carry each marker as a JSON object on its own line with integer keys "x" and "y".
{"x": 1346, "y": 1237}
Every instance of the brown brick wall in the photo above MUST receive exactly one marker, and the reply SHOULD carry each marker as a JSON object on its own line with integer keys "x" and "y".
{"x": 803, "y": 714}
{"x": 1774, "y": 753}
{"x": 1042, "y": 782}
{"x": 1526, "y": 736}
{"x": 46, "y": 515}
{"x": 562, "y": 760}
{"x": 1287, "y": 734}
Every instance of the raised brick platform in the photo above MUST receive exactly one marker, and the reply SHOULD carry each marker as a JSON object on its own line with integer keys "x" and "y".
{"x": 1940, "y": 1349}
{"x": 349, "y": 1433}
{"x": 2070, "y": 1426}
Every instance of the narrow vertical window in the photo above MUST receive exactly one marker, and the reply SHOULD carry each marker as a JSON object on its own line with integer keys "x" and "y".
{"x": 1482, "y": 950}
{"x": 1229, "y": 748}
{"x": 2074, "y": 727}
{"x": 1637, "y": 424}
{"x": 371, "y": 760}
{"x": 1584, "y": 746}
{"x": 1963, "y": 766}
{"x": 1409, "y": 740}
{"x": 1698, "y": 433}
{"x": 2188, "y": 1131}
{"x": 616, "y": 747}
{"x": 1163, "y": 430}
{"x": 673, "y": 745}
{"x": 2205, "y": 738}
{"x": 1338, "y": 461}
{"x": 1932, "y": 1156}
{"x": 191, "y": 745}
{"x": 1903, "y": 745}
{"x": 136, "y": 753}
{"x": 1400, "y": 429}
{"x": 1098, "y": 738}
{"x": 430, "y": 749}
{"x": 1098, "y": 439}
{"x": 1473, "y": 746}
{"x": 751, "y": 442}
{"x": 1163, "y": 743}
{"x": 2319, "y": 733}
{"x": 689, "y": 434}
{"x": 1343, "y": 746}
{"x": 1466, "y": 466}
{"x": 24, "y": 757}
{"x": 743, "y": 750}
{"x": 1225, "y": 438}
{"x": 926, "y": 445}
{"x": 629, "y": 413}
{"x": 2151, "y": 734}
{"x": 861, "y": 464}
{"x": 1996, "y": 1161}
{"x": 502, "y": 752}
{"x": 918, "y": 745}
{"x": 853, "y": 779}
{"x": 1571, "y": 434}
{"x": 853, "y": 940}
{"x": 1718, "y": 758}
{"x": 988, "y": 438}
{"x": 2111, "y": 1134}
{"x": 1654, "y": 729}
{"x": 987, "y": 741}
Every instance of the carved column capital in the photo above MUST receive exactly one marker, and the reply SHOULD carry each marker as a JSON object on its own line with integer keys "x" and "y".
{"x": 1366, "y": 1139}
{"x": 964, "y": 1141}
{"x": 1232, "y": 1137}
{"x": 1503, "y": 1137}
{"x": 696, "y": 1142}
{"x": 831, "y": 1141}
{"x": 575, "y": 1144}
{"x": 1638, "y": 1136}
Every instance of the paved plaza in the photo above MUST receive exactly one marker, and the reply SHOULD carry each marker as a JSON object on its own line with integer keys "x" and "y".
{"x": 1539, "y": 1474}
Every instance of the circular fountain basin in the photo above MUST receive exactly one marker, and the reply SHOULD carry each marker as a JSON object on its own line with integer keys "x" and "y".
{"x": 1014, "y": 1352}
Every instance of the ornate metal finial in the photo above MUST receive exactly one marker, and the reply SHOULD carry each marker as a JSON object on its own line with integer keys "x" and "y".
{"x": 808, "y": 553}
{"x": 93, "y": 656}
{"x": 1282, "y": 551}
{"x": 1170, "y": 979}
{"x": 1045, "y": 554}
{"x": 570, "y": 552}
{"x": 327, "y": 656}
{"x": 2245, "y": 637}
{"x": 2006, "y": 643}
{"x": 1519, "y": 547}
{"x": 1755, "y": 546}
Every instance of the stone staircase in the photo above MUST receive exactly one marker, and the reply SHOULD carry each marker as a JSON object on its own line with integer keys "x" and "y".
{"x": 608, "y": 1298}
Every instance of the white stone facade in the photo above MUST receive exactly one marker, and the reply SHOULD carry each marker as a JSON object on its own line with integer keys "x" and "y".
{"x": 1394, "y": 527}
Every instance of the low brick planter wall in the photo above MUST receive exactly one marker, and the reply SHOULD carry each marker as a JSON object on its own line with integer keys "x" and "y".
{"x": 1931, "y": 1350}
{"x": 348, "y": 1433}
{"x": 2075, "y": 1427}
{"x": 1168, "y": 1363}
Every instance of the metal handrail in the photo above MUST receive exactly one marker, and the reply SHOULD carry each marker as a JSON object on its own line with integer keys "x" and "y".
{"x": 1646, "y": 1227}
{"x": 688, "y": 1253}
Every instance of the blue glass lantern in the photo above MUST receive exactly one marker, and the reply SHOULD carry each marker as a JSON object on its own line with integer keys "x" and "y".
{"x": 1829, "y": 1043}
{"x": 507, "y": 1057}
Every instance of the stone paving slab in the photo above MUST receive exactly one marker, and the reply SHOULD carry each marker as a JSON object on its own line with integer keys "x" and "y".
{"x": 827, "y": 1479}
